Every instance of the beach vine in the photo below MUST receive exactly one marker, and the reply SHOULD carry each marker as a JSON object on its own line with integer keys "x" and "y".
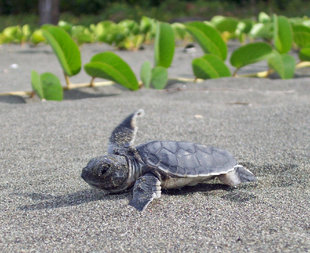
{"x": 269, "y": 38}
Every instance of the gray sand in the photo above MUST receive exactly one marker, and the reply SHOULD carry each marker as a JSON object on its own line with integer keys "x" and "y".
{"x": 46, "y": 207}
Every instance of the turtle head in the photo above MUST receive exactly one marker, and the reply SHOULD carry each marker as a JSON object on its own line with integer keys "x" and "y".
{"x": 108, "y": 172}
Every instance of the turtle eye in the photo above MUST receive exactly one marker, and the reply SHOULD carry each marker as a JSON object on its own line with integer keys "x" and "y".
{"x": 103, "y": 169}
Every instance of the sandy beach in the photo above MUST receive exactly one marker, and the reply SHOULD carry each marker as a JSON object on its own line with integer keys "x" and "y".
{"x": 45, "y": 206}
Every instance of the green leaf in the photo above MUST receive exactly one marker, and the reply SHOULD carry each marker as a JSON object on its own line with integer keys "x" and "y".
{"x": 225, "y": 24}
{"x": 110, "y": 66}
{"x": 131, "y": 42}
{"x": 131, "y": 27}
{"x": 36, "y": 84}
{"x": 13, "y": 34}
{"x": 243, "y": 29}
{"x": 179, "y": 30}
{"x": 65, "y": 25}
{"x": 64, "y": 47}
{"x": 210, "y": 66}
{"x": 81, "y": 34}
{"x": 104, "y": 31}
{"x": 164, "y": 45}
{"x": 304, "y": 54}
{"x": 301, "y": 35}
{"x": 146, "y": 74}
{"x": 26, "y": 32}
{"x": 52, "y": 88}
{"x": 262, "y": 31}
{"x": 146, "y": 24}
{"x": 47, "y": 86}
{"x": 249, "y": 54}
{"x": 283, "y": 64}
{"x": 244, "y": 26}
{"x": 283, "y": 35}
{"x": 159, "y": 77}
{"x": 263, "y": 17}
{"x": 208, "y": 38}
{"x": 37, "y": 37}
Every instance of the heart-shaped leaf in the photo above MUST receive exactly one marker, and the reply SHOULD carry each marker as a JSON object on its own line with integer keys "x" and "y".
{"x": 304, "y": 54}
{"x": 146, "y": 74}
{"x": 283, "y": 35}
{"x": 208, "y": 38}
{"x": 249, "y": 54}
{"x": 210, "y": 66}
{"x": 301, "y": 35}
{"x": 64, "y": 47}
{"x": 159, "y": 77}
{"x": 283, "y": 64}
{"x": 110, "y": 66}
{"x": 47, "y": 86}
{"x": 164, "y": 45}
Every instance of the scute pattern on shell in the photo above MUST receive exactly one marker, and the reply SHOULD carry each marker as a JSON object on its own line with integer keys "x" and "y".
{"x": 186, "y": 159}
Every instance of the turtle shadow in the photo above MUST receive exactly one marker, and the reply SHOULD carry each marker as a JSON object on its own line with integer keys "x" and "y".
{"x": 50, "y": 201}
{"x": 232, "y": 194}
{"x": 197, "y": 188}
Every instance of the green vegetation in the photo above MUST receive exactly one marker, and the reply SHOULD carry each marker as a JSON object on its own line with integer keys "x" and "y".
{"x": 210, "y": 66}
{"x": 208, "y": 38}
{"x": 164, "y": 52}
{"x": 110, "y": 66}
{"x": 65, "y": 49}
{"x": 270, "y": 39}
{"x": 47, "y": 86}
{"x": 86, "y": 12}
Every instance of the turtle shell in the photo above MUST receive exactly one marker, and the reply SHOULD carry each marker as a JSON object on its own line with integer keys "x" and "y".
{"x": 185, "y": 159}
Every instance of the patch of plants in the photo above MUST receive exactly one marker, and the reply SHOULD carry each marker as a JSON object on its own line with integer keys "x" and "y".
{"x": 278, "y": 36}
{"x": 270, "y": 39}
{"x": 106, "y": 65}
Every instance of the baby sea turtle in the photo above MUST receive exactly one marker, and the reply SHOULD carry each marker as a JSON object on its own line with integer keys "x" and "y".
{"x": 155, "y": 165}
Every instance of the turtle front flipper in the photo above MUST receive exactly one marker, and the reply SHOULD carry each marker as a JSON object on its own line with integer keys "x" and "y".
{"x": 145, "y": 190}
{"x": 123, "y": 136}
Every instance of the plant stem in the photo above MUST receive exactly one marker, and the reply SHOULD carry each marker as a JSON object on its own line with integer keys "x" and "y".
{"x": 140, "y": 84}
{"x": 262, "y": 74}
{"x": 184, "y": 79}
{"x": 18, "y": 93}
{"x": 91, "y": 84}
{"x": 67, "y": 81}
{"x": 303, "y": 64}
{"x": 81, "y": 85}
{"x": 235, "y": 72}
{"x": 72, "y": 86}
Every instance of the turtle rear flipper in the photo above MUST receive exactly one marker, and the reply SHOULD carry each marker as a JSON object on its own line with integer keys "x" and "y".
{"x": 123, "y": 136}
{"x": 238, "y": 175}
{"x": 145, "y": 190}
